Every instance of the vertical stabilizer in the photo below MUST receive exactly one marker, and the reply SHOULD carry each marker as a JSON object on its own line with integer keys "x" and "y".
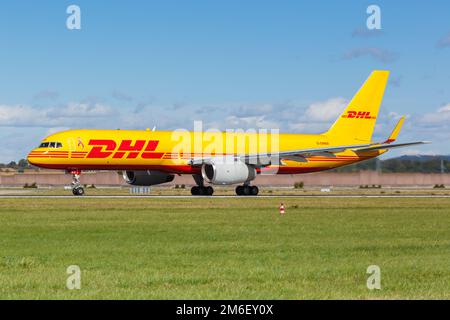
{"x": 357, "y": 122}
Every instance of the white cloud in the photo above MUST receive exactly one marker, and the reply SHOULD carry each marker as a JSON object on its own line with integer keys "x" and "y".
{"x": 305, "y": 127}
{"x": 445, "y": 108}
{"x": 255, "y": 122}
{"x": 394, "y": 115}
{"x": 15, "y": 115}
{"x": 326, "y": 110}
{"x": 53, "y": 130}
{"x": 69, "y": 115}
{"x": 440, "y": 116}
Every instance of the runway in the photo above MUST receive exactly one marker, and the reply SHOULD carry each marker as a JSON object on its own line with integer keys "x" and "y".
{"x": 212, "y": 197}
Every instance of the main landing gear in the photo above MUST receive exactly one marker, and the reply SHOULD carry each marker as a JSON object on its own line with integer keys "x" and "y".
{"x": 200, "y": 189}
{"x": 77, "y": 188}
{"x": 247, "y": 190}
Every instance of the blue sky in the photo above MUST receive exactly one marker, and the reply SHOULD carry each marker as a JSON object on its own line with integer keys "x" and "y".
{"x": 246, "y": 64}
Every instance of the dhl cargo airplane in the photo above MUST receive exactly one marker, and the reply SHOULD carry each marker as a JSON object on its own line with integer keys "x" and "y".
{"x": 154, "y": 157}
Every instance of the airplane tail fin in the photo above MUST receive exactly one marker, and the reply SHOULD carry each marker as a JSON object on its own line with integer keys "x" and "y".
{"x": 357, "y": 122}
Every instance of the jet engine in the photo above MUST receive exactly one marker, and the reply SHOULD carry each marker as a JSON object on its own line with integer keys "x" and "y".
{"x": 146, "y": 178}
{"x": 228, "y": 172}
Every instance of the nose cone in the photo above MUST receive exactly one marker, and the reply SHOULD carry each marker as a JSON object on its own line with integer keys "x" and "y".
{"x": 33, "y": 157}
{"x": 30, "y": 157}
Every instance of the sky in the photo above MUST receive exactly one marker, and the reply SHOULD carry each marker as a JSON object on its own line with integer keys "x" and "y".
{"x": 291, "y": 65}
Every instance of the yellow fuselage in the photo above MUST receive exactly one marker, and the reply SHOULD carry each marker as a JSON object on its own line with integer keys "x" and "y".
{"x": 170, "y": 151}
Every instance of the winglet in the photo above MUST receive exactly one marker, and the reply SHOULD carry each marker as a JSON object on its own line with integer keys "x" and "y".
{"x": 396, "y": 130}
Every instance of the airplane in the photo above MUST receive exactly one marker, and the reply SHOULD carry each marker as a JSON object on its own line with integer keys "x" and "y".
{"x": 150, "y": 157}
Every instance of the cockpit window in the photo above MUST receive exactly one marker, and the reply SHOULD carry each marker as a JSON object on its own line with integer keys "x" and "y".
{"x": 50, "y": 145}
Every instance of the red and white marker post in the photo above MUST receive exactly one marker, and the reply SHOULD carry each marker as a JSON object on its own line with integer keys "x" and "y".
{"x": 282, "y": 209}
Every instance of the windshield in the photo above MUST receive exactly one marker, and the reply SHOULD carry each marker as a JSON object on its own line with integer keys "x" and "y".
{"x": 50, "y": 145}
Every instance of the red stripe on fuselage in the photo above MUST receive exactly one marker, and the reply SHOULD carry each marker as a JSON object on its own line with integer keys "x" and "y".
{"x": 176, "y": 169}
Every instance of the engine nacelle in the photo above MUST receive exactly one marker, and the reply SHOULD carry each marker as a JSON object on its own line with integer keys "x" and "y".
{"x": 146, "y": 178}
{"x": 228, "y": 172}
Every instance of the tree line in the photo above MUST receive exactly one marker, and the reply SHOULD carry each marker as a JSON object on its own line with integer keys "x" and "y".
{"x": 20, "y": 165}
{"x": 435, "y": 164}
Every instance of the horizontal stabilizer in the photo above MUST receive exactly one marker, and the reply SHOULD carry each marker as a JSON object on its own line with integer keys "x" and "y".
{"x": 389, "y": 146}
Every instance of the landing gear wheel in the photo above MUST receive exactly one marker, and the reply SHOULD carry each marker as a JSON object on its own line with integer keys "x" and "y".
{"x": 78, "y": 191}
{"x": 202, "y": 191}
{"x": 254, "y": 190}
{"x": 209, "y": 191}
{"x": 247, "y": 190}
{"x": 195, "y": 191}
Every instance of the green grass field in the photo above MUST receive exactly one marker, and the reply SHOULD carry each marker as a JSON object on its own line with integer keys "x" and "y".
{"x": 235, "y": 248}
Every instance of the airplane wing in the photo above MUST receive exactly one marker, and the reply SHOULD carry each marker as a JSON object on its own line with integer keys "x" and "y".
{"x": 263, "y": 160}
{"x": 297, "y": 155}
{"x": 275, "y": 158}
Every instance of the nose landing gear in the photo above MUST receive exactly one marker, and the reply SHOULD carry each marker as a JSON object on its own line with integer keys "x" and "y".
{"x": 77, "y": 188}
